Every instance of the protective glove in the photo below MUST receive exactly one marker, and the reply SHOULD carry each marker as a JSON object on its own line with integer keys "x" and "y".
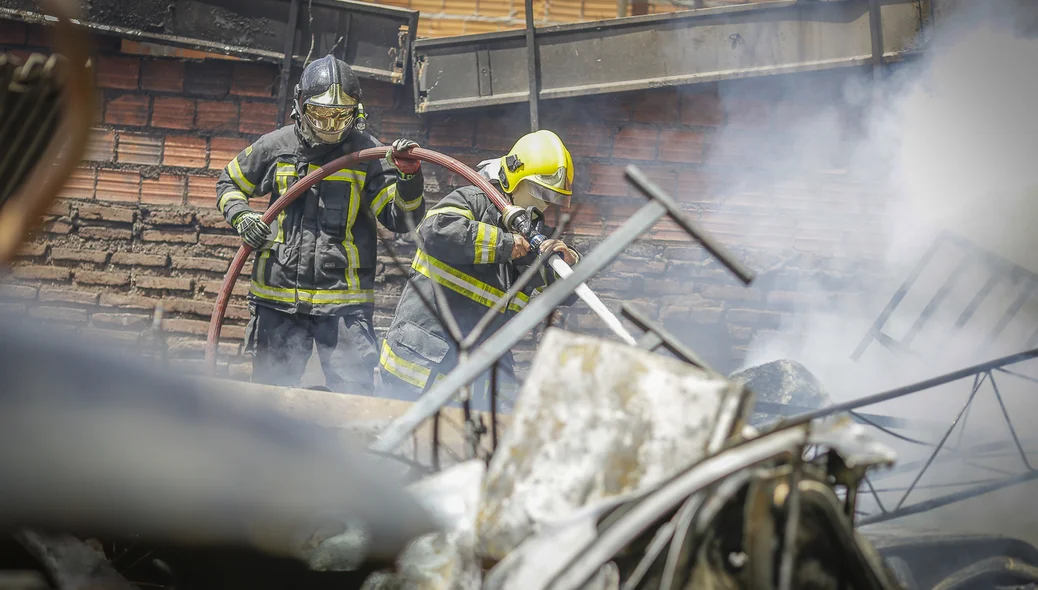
{"x": 405, "y": 168}
{"x": 568, "y": 254}
{"x": 251, "y": 228}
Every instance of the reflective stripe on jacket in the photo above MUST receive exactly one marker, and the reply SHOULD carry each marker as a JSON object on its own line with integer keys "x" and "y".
{"x": 325, "y": 245}
{"x": 465, "y": 249}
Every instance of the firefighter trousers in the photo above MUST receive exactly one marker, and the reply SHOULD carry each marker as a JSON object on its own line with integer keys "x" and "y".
{"x": 283, "y": 343}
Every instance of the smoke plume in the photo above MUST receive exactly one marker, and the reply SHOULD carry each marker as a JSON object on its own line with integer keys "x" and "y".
{"x": 945, "y": 143}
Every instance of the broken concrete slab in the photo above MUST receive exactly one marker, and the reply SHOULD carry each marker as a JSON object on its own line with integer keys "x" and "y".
{"x": 595, "y": 420}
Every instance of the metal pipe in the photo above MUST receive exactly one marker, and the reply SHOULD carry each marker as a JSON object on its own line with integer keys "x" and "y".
{"x": 915, "y": 387}
{"x": 532, "y": 71}
{"x": 303, "y": 185}
{"x": 682, "y": 218}
{"x": 286, "y": 64}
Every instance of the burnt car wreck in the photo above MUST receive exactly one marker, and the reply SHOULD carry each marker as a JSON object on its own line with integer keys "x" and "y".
{"x": 616, "y": 466}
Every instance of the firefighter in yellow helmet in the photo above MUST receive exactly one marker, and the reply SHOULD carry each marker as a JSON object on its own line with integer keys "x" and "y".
{"x": 466, "y": 249}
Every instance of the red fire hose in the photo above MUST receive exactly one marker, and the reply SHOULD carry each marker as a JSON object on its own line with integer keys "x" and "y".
{"x": 304, "y": 184}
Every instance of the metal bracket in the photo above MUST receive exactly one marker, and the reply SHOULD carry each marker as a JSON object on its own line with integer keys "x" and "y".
{"x": 652, "y": 51}
{"x": 378, "y": 38}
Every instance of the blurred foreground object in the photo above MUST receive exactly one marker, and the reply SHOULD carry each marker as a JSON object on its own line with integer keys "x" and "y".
{"x": 46, "y": 112}
{"x": 98, "y": 447}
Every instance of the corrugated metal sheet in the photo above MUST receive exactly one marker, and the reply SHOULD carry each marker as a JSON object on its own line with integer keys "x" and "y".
{"x": 448, "y": 18}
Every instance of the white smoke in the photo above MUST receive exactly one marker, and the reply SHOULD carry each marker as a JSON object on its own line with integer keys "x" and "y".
{"x": 949, "y": 142}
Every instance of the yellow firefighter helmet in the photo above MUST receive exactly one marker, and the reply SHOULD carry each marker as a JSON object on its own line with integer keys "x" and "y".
{"x": 540, "y": 165}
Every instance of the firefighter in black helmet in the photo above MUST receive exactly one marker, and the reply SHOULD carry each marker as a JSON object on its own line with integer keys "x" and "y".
{"x": 314, "y": 274}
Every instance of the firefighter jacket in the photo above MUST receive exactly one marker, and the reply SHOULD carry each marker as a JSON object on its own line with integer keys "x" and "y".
{"x": 322, "y": 260}
{"x": 465, "y": 249}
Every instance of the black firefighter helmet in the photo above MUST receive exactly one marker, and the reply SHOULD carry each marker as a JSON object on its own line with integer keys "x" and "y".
{"x": 327, "y": 104}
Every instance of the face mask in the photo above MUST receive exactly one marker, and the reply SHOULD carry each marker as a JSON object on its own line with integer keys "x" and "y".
{"x": 524, "y": 197}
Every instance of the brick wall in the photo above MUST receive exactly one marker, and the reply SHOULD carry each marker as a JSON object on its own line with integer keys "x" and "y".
{"x": 137, "y": 224}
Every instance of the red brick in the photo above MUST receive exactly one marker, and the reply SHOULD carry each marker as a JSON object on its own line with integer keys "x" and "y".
{"x": 191, "y": 306}
{"x": 232, "y": 332}
{"x": 12, "y": 33}
{"x": 241, "y": 288}
{"x": 402, "y": 124}
{"x": 201, "y": 191}
{"x": 379, "y": 94}
{"x": 235, "y": 312}
{"x": 681, "y": 146}
{"x": 258, "y": 118}
{"x": 658, "y": 106}
{"x": 608, "y": 181}
{"x": 197, "y": 263}
{"x": 118, "y": 185}
{"x": 115, "y": 71}
{"x": 209, "y": 77}
{"x": 129, "y": 109}
{"x": 225, "y": 240}
{"x": 184, "y": 151}
{"x": 222, "y": 150}
{"x": 101, "y": 147}
{"x": 747, "y": 113}
{"x": 79, "y": 255}
{"x": 111, "y": 336}
{"x": 17, "y": 292}
{"x": 31, "y": 250}
{"x": 211, "y": 218}
{"x": 69, "y": 296}
{"x": 253, "y": 79}
{"x": 164, "y": 283}
{"x": 217, "y": 116}
{"x": 498, "y": 128}
{"x": 139, "y": 259}
{"x": 453, "y": 131}
{"x": 701, "y": 109}
{"x": 754, "y": 317}
{"x": 60, "y": 227}
{"x": 59, "y": 208}
{"x": 135, "y": 148}
{"x": 167, "y": 189}
{"x": 635, "y": 143}
{"x": 133, "y": 321}
{"x": 167, "y": 217}
{"x": 105, "y": 233}
{"x": 80, "y": 184}
{"x": 109, "y": 278}
{"x": 164, "y": 75}
{"x": 106, "y": 213}
{"x": 43, "y": 273}
{"x": 58, "y": 314}
{"x": 173, "y": 113}
{"x": 189, "y": 326}
{"x": 127, "y": 301}
{"x": 175, "y": 237}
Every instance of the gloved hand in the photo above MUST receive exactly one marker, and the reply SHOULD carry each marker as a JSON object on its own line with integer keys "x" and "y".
{"x": 405, "y": 167}
{"x": 251, "y": 228}
{"x": 568, "y": 254}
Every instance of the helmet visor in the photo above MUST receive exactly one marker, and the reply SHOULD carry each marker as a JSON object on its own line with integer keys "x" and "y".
{"x": 536, "y": 186}
{"x": 330, "y": 119}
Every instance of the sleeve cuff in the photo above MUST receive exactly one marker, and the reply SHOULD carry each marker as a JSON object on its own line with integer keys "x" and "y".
{"x": 505, "y": 245}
